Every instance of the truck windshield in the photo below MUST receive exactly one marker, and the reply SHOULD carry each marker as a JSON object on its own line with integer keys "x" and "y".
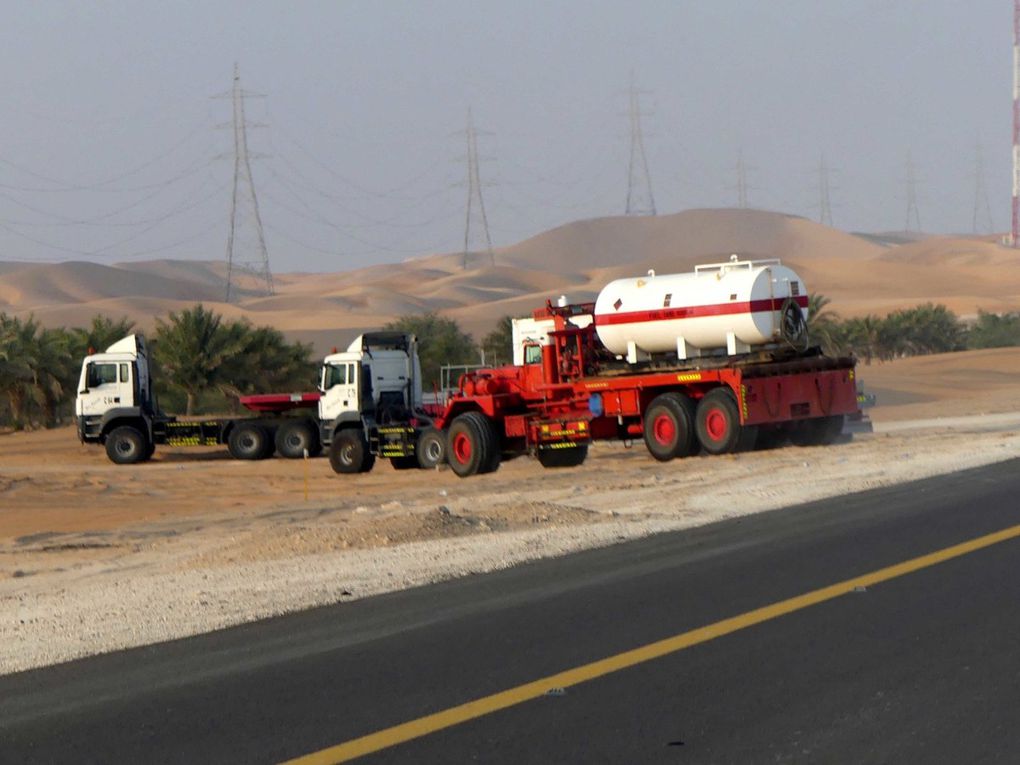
{"x": 101, "y": 374}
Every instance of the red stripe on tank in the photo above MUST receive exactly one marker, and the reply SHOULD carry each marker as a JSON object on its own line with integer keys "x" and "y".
{"x": 696, "y": 311}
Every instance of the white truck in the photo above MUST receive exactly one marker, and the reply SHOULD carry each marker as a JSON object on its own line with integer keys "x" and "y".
{"x": 369, "y": 404}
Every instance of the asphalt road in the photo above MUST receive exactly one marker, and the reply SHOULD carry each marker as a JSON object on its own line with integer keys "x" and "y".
{"x": 921, "y": 668}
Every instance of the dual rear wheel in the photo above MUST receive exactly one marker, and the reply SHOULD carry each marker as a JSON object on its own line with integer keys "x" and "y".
{"x": 675, "y": 427}
{"x": 250, "y": 441}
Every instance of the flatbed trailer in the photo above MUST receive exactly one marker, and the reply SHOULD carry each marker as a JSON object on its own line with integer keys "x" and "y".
{"x": 115, "y": 407}
{"x": 131, "y": 435}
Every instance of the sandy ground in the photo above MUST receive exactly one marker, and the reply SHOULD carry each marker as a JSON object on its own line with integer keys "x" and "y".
{"x": 95, "y": 557}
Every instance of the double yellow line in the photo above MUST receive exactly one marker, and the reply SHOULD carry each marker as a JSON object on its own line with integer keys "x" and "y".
{"x": 447, "y": 718}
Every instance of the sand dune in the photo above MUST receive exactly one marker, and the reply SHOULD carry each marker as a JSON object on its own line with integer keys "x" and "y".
{"x": 79, "y": 282}
{"x": 859, "y": 273}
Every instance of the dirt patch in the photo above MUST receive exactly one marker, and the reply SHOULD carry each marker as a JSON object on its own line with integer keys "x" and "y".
{"x": 95, "y": 557}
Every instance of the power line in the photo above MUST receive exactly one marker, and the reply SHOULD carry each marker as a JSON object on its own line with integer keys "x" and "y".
{"x": 244, "y": 204}
{"x": 62, "y": 188}
{"x": 638, "y": 177}
{"x": 190, "y": 202}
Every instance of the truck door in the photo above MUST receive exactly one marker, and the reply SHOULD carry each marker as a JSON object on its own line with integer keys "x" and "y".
{"x": 107, "y": 385}
{"x": 339, "y": 390}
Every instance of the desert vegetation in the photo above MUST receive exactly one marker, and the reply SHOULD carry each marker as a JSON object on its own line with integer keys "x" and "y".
{"x": 203, "y": 362}
{"x": 924, "y": 329}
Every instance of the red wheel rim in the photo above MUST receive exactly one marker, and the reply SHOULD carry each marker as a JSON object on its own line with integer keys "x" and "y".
{"x": 462, "y": 448}
{"x": 664, "y": 429}
{"x": 716, "y": 424}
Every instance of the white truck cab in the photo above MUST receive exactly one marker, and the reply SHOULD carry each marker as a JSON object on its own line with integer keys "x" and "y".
{"x": 378, "y": 374}
{"x": 117, "y": 379}
{"x": 371, "y": 406}
{"x": 529, "y": 335}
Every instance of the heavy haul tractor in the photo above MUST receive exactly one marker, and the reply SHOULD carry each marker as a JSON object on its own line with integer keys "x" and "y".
{"x": 717, "y": 360}
{"x": 368, "y": 405}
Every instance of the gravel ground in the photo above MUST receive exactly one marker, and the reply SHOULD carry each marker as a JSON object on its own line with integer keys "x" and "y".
{"x": 94, "y": 558}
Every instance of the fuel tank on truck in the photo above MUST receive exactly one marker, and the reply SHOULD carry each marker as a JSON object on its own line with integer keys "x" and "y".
{"x": 734, "y": 305}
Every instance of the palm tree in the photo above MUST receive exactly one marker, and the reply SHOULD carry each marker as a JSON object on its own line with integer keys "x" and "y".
{"x": 193, "y": 347}
{"x": 863, "y": 337}
{"x": 16, "y": 382}
{"x": 55, "y": 372}
{"x": 823, "y": 325}
{"x": 32, "y": 362}
{"x": 100, "y": 334}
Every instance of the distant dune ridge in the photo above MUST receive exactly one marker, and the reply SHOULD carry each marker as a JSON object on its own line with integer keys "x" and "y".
{"x": 860, "y": 273}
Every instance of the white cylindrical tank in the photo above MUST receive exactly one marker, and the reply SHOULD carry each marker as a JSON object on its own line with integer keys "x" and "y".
{"x": 733, "y": 305}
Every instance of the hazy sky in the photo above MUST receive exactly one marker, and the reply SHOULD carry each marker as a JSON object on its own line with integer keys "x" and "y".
{"x": 109, "y": 150}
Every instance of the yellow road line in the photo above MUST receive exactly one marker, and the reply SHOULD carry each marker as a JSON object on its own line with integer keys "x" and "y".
{"x": 423, "y": 726}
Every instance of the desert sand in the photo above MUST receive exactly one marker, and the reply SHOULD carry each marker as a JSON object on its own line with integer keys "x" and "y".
{"x": 96, "y": 557}
{"x": 861, "y": 274}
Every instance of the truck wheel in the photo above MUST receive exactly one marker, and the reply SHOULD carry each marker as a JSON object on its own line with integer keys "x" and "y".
{"x": 471, "y": 445}
{"x": 126, "y": 445}
{"x": 294, "y": 438}
{"x": 349, "y": 452}
{"x": 431, "y": 449}
{"x": 820, "y": 431}
{"x": 249, "y": 442}
{"x": 562, "y": 458}
{"x": 717, "y": 421}
{"x": 669, "y": 427}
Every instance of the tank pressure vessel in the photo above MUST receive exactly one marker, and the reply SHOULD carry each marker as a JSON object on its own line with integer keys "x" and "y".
{"x": 735, "y": 305}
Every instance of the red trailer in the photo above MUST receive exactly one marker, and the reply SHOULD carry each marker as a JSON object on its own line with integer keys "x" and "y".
{"x": 572, "y": 390}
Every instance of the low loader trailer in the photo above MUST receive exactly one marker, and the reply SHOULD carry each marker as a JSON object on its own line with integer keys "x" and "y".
{"x": 716, "y": 361}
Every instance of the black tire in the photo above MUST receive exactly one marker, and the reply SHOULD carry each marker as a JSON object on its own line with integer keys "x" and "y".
{"x": 126, "y": 445}
{"x": 150, "y": 449}
{"x": 295, "y": 437}
{"x": 404, "y": 463}
{"x": 431, "y": 449}
{"x": 717, "y": 422}
{"x": 248, "y": 441}
{"x": 669, "y": 427}
{"x": 820, "y": 431}
{"x": 563, "y": 458}
{"x": 471, "y": 446}
{"x": 349, "y": 452}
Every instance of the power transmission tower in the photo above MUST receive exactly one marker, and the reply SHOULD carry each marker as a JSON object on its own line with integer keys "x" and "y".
{"x": 911, "y": 181}
{"x": 246, "y": 241}
{"x": 638, "y": 177}
{"x": 741, "y": 181}
{"x": 824, "y": 200}
{"x": 981, "y": 201}
{"x": 475, "y": 202}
